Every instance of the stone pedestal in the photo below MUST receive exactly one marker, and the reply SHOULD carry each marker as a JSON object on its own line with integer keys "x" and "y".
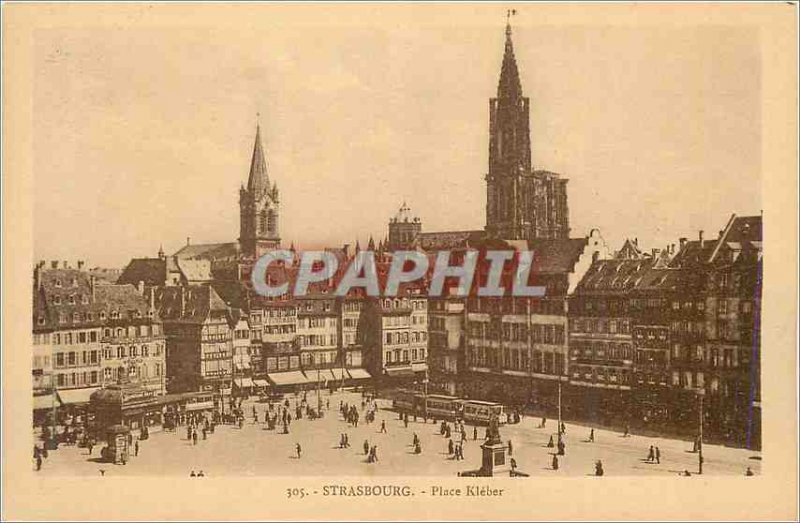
{"x": 495, "y": 462}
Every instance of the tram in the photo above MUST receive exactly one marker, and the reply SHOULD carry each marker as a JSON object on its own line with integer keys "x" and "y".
{"x": 448, "y": 407}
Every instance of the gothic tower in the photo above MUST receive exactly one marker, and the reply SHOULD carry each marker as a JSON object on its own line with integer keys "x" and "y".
{"x": 520, "y": 203}
{"x": 404, "y": 229}
{"x": 258, "y": 207}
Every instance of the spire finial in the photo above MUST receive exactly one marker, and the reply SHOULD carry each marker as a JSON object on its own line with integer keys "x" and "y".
{"x": 509, "y": 14}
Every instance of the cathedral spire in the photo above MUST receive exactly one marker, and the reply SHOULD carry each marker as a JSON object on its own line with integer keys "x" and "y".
{"x": 258, "y": 182}
{"x": 509, "y": 85}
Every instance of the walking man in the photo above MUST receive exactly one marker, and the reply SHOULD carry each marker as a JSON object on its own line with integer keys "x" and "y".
{"x": 510, "y": 448}
{"x": 136, "y": 449}
{"x": 591, "y": 436}
{"x": 651, "y": 454}
{"x": 383, "y": 426}
{"x": 658, "y": 455}
{"x": 366, "y": 447}
{"x": 194, "y": 437}
{"x": 555, "y": 462}
{"x": 475, "y": 433}
{"x": 299, "y": 450}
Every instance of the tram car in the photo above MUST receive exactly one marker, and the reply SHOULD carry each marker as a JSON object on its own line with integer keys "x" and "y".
{"x": 480, "y": 412}
{"x": 443, "y": 407}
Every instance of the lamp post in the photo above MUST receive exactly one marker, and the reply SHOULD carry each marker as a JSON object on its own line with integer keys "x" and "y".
{"x": 425, "y": 394}
{"x": 700, "y": 394}
{"x": 559, "y": 407}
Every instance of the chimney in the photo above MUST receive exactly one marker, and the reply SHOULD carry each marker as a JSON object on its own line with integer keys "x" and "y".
{"x": 700, "y": 237}
{"x": 636, "y": 241}
{"x": 346, "y": 249}
{"x": 91, "y": 286}
{"x": 682, "y": 242}
{"x": 183, "y": 300}
{"x": 152, "y": 299}
{"x": 140, "y": 287}
{"x": 65, "y": 264}
{"x": 188, "y": 240}
{"x": 655, "y": 253}
{"x": 80, "y": 265}
{"x": 53, "y": 264}
{"x": 672, "y": 248}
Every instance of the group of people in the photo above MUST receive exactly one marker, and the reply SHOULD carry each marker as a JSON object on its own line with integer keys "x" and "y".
{"x": 197, "y": 425}
{"x": 653, "y": 455}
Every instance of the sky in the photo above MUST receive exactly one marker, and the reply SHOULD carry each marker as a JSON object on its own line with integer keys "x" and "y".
{"x": 143, "y": 131}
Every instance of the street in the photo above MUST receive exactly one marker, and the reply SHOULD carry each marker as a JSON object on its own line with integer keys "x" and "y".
{"x": 253, "y": 450}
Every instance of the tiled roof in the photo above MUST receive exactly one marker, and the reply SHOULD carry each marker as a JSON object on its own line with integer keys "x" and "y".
{"x": 190, "y": 303}
{"x": 614, "y": 276}
{"x": 121, "y": 298}
{"x": 208, "y": 251}
{"x": 195, "y": 270}
{"x": 152, "y": 271}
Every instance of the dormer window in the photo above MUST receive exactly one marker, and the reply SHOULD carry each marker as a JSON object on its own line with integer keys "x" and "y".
{"x": 57, "y": 300}
{"x": 71, "y": 299}
{"x": 76, "y": 317}
{"x": 58, "y": 283}
{"x": 74, "y": 282}
{"x": 103, "y": 316}
{"x": 114, "y": 315}
{"x": 138, "y": 314}
{"x": 41, "y": 320}
{"x": 85, "y": 299}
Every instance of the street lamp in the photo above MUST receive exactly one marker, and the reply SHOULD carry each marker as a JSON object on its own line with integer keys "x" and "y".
{"x": 425, "y": 394}
{"x": 700, "y": 394}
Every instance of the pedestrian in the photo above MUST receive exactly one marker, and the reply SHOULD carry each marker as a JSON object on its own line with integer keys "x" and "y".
{"x": 38, "y": 462}
{"x": 418, "y": 449}
{"x": 136, "y": 449}
{"x": 748, "y": 472}
{"x": 405, "y": 422}
{"x": 383, "y": 426}
{"x": 194, "y": 438}
{"x": 510, "y": 448}
{"x": 90, "y": 446}
{"x": 561, "y": 448}
{"x": 375, "y": 453}
{"x": 598, "y": 468}
{"x": 299, "y": 450}
{"x": 346, "y": 441}
{"x": 563, "y": 428}
{"x": 201, "y": 474}
{"x": 328, "y": 404}
{"x": 591, "y": 436}
{"x": 513, "y": 465}
{"x": 658, "y": 455}
{"x": 415, "y": 440}
{"x": 555, "y": 462}
{"x": 450, "y": 447}
{"x": 627, "y": 432}
{"x": 189, "y": 432}
{"x": 205, "y": 433}
{"x": 651, "y": 454}
{"x": 544, "y": 421}
{"x": 475, "y": 433}
{"x": 192, "y": 474}
{"x": 366, "y": 447}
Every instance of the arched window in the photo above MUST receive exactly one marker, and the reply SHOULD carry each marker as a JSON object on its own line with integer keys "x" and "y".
{"x": 262, "y": 222}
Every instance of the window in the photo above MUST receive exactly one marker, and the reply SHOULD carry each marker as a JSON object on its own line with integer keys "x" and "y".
{"x": 93, "y": 336}
{"x": 72, "y": 358}
{"x": 57, "y": 300}
{"x": 59, "y": 359}
{"x": 81, "y": 337}
{"x": 102, "y": 316}
{"x": 58, "y": 283}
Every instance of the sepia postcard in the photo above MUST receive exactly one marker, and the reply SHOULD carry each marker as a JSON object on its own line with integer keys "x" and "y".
{"x": 379, "y": 261}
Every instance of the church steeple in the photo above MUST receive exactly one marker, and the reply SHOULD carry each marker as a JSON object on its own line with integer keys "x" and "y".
{"x": 258, "y": 182}
{"x": 258, "y": 207}
{"x": 509, "y": 85}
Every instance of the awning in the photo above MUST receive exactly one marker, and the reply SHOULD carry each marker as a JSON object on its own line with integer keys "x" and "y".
{"x": 244, "y": 382}
{"x": 242, "y": 365}
{"x": 76, "y": 396}
{"x": 338, "y": 374}
{"x": 44, "y": 402}
{"x": 358, "y": 374}
{"x": 261, "y": 383}
{"x": 294, "y": 377}
{"x": 404, "y": 370}
{"x": 200, "y": 405}
{"x": 419, "y": 367}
